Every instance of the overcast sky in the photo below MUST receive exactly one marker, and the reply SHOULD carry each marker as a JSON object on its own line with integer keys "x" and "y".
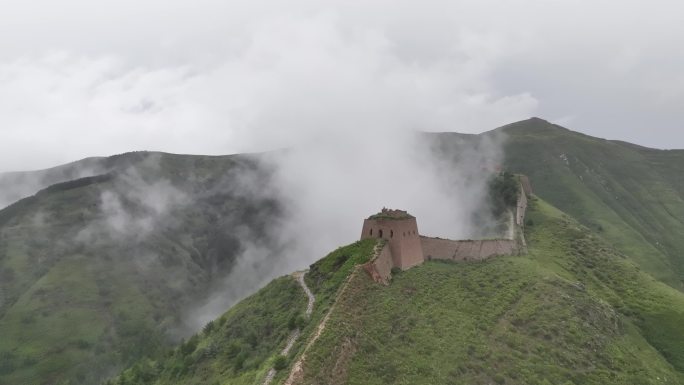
{"x": 83, "y": 77}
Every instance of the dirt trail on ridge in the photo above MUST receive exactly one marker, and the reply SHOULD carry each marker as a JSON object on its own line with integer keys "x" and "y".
{"x": 297, "y": 369}
{"x": 299, "y": 276}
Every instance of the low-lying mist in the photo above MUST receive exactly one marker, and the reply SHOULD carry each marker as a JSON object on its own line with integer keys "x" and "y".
{"x": 340, "y": 110}
{"x": 331, "y": 182}
{"x": 242, "y": 221}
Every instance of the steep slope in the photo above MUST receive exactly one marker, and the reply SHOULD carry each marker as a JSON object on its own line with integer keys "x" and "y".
{"x": 243, "y": 344}
{"x": 632, "y": 196}
{"x": 572, "y": 311}
{"x": 99, "y": 271}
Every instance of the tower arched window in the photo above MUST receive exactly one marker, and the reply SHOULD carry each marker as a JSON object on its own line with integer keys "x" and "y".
{"x": 379, "y": 233}
{"x": 371, "y": 232}
{"x": 391, "y": 233}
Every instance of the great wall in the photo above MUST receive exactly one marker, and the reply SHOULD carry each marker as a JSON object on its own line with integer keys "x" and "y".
{"x": 404, "y": 247}
{"x": 401, "y": 246}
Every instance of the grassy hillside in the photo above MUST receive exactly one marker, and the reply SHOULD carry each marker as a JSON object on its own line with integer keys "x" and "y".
{"x": 98, "y": 272}
{"x": 242, "y": 345}
{"x": 571, "y": 312}
{"x": 631, "y": 196}
{"x": 238, "y": 347}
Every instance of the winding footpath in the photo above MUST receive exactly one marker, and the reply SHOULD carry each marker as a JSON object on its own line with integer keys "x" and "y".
{"x": 309, "y": 307}
{"x": 298, "y": 367}
{"x": 299, "y": 276}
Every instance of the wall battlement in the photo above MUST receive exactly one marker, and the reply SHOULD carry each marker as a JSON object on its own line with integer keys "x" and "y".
{"x": 403, "y": 246}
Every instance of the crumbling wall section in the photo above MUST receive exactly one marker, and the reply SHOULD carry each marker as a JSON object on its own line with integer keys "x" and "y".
{"x": 521, "y": 208}
{"x": 380, "y": 266}
{"x": 471, "y": 250}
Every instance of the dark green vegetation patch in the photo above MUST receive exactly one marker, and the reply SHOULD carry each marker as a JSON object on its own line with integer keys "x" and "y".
{"x": 503, "y": 193}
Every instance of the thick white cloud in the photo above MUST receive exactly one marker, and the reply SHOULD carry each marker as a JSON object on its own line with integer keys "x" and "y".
{"x": 81, "y": 78}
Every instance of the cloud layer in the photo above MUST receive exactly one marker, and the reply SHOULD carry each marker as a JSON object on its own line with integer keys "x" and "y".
{"x": 81, "y": 78}
{"x": 274, "y": 79}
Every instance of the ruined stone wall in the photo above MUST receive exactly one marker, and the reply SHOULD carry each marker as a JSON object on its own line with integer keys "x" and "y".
{"x": 526, "y": 184}
{"x": 437, "y": 248}
{"x": 380, "y": 267}
{"x": 521, "y": 208}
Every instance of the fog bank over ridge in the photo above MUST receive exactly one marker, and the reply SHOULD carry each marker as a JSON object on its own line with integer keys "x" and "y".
{"x": 330, "y": 184}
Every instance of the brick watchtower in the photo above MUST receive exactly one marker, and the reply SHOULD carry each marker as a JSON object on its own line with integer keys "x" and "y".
{"x": 400, "y": 229}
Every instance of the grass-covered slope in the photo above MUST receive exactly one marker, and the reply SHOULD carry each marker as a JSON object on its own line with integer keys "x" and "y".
{"x": 237, "y": 348}
{"x": 574, "y": 252}
{"x": 630, "y": 195}
{"x": 98, "y": 272}
{"x": 243, "y": 344}
{"x": 571, "y": 312}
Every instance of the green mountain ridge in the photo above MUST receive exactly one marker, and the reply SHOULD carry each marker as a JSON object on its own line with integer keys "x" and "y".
{"x": 633, "y": 196}
{"x": 572, "y": 311}
{"x": 95, "y": 276}
{"x": 100, "y": 271}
